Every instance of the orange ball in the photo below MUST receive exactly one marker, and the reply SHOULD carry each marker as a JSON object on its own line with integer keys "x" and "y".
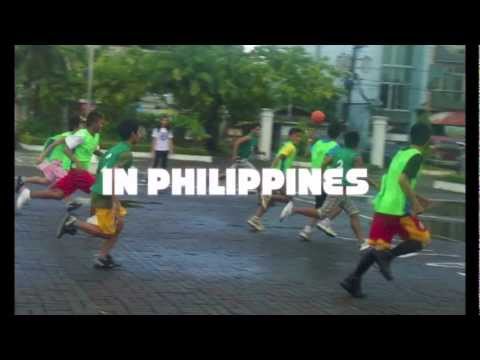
{"x": 318, "y": 117}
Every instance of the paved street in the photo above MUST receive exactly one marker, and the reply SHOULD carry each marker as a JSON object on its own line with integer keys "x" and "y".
{"x": 196, "y": 255}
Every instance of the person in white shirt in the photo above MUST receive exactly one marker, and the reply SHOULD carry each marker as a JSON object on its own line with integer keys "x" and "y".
{"x": 162, "y": 142}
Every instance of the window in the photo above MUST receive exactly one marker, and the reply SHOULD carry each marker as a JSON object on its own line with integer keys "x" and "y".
{"x": 451, "y": 82}
{"x": 396, "y": 76}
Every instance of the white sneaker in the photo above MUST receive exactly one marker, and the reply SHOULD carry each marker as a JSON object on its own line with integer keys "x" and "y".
{"x": 324, "y": 225}
{"x": 365, "y": 245}
{"x": 287, "y": 211}
{"x": 303, "y": 235}
{"x": 255, "y": 223}
{"x": 23, "y": 198}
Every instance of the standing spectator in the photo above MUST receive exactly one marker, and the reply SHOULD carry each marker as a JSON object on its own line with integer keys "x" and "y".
{"x": 162, "y": 142}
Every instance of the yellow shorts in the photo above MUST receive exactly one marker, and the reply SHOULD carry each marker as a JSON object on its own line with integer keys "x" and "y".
{"x": 105, "y": 219}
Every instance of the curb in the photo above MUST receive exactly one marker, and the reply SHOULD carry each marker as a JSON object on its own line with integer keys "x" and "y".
{"x": 139, "y": 155}
{"x": 453, "y": 187}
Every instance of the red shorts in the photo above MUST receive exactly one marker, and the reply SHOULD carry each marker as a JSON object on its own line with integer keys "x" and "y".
{"x": 385, "y": 227}
{"x": 76, "y": 179}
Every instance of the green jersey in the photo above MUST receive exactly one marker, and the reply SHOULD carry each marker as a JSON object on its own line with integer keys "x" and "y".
{"x": 344, "y": 159}
{"x": 58, "y": 152}
{"x": 320, "y": 150}
{"x": 391, "y": 200}
{"x": 85, "y": 150}
{"x": 246, "y": 149}
{"x": 289, "y": 150}
{"x": 118, "y": 154}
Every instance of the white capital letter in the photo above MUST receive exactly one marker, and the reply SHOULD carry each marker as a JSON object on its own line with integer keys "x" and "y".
{"x": 310, "y": 183}
{"x": 332, "y": 178}
{"x": 179, "y": 182}
{"x": 158, "y": 179}
{"x": 213, "y": 187}
{"x": 248, "y": 179}
{"x": 354, "y": 176}
{"x": 272, "y": 179}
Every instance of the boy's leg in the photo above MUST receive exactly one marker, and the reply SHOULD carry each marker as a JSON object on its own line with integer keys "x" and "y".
{"x": 382, "y": 231}
{"x": 415, "y": 237}
{"x": 108, "y": 244}
{"x": 36, "y": 180}
{"x": 164, "y": 159}
{"x": 156, "y": 159}
{"x": 26, "y": 194}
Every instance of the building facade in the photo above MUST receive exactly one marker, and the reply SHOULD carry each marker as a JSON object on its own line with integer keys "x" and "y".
{"x": 397, "y": 81}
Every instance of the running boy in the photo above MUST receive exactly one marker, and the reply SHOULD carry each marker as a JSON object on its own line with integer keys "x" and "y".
{"x": 52, "y": 162}
{"x": 84, "y": 143}
{"x": 345, "y": 158}
{"x": 283, "y": 161}
{"x": 396, "y": 208}
{"x": 321, "y": 149}
{"x": 109, "y": 218}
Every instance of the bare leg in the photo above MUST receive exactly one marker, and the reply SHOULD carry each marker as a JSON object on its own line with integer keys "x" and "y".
{"x": 260, "y": 212}
{"x": 356, "y": 227}
{"x": 108, "y": 244}
{"x": 36, "y": 180}
{"x": 309, "y": 212}
{"x": 281, "y": 198}
{"x": 56, "y": 194}
{"x": 91, "y": 229}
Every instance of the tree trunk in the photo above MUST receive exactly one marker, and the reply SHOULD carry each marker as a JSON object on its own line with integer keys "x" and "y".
{"x": 212, "y": 126}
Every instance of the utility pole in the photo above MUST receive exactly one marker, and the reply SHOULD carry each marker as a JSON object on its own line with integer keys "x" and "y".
{"x": 349, "y": 83}
{"x": 91, "y": 50}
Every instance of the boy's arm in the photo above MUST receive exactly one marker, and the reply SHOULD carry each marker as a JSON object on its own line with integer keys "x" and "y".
{"x": 277, "y": 160}
{"x": 98, "y": 153}
{"x": 68, "y": 150}
{"x": 327, "y": 161}
{"x": 360, "y": 164}
{"x": 49, "y": 149}
{"x": 410, "y": 194}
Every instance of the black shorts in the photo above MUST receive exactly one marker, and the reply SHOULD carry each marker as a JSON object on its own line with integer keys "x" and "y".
{"x": 319, "y": 200}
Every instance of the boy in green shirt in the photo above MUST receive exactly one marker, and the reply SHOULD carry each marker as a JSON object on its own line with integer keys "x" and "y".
{"x": 283, "y": 161}
{"x": 321, "y": 149}
{"x": 84, "y": 144}
{"x": 52, "y": 162}
{"x": 345, "y": 158}
{"x": 109, "y": 216}
{"x": 396, "y": 208}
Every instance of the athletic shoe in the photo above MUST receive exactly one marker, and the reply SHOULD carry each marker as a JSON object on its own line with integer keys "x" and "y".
{"x": 102, "y": 263}
{"x": 255, "y": 223}
{"x": 73, "y": 205}
{"x": 303, "y": 235}
{"x": 383, "y": 259}
{"x": 353, "y": 286}
{"x": 365, "y": 245}
{"x": 265, "y": 200}
{"x": 324, "y": 225}
{"x": 19, "y": 184}
{"x": 23, "y": 198}
{"x": 113, "y": 262}
{"x": 287, "y": 211}
{"x": 106, "y": 262}
{"x": 66, "y": 226}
